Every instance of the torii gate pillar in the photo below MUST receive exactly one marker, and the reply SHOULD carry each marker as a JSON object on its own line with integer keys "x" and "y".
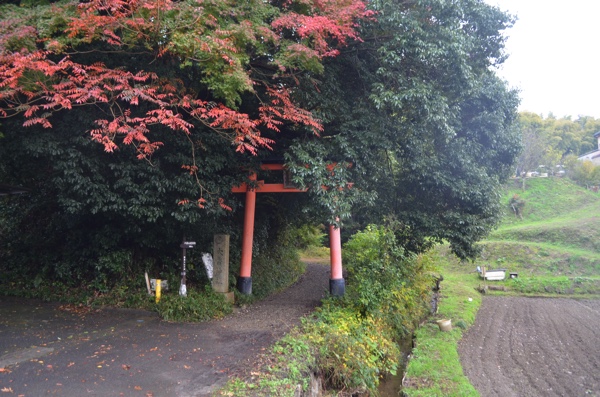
{"x": 244, "y": 281}
{"x": 337, "y": 285}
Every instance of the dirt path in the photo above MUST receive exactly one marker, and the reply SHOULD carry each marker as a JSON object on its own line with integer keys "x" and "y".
{"x": 48, "y": 351}
{"x": 534, "y": 347}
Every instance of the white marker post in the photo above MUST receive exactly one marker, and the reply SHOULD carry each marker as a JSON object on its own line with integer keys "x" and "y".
{"x": 184, "y": 245}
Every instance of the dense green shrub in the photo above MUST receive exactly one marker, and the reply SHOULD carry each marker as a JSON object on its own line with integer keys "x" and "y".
{"x": 197, "y": 306}
{"x": 307, "y": 236}
{"x": 384, "y": 281}
{"x": 354, "y": 351}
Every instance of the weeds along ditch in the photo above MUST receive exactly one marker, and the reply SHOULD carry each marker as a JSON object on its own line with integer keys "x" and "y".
{"x": 349, "y": 344}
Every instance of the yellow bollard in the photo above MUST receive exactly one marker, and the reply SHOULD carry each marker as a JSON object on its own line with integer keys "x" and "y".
{"x": 158, "y": 290}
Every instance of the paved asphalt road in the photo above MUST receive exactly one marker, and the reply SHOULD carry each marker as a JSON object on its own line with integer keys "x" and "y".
{"x": 47, "y": 351}
{"x": 51, "y": 350}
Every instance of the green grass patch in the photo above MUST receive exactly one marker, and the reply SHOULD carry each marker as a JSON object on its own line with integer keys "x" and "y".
{"x": 435, "y": 369}
{"x": 547, "y": 198}
{"x": 315, "y": 254}
{"x": 534, "y": 258}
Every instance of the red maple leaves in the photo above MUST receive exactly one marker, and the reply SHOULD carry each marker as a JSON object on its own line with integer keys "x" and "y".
{"x": 326, "y": 20}
{"x": 38, "y": 76}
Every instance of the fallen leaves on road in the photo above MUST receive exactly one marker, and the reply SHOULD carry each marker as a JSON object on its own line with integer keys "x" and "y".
{"x": 7, "y": 390}
{"x": 80, "y": 309}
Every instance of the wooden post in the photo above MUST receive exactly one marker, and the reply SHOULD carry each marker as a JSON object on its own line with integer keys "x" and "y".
{"x": 337, "y": 285}
{"x": 244, "y": 281}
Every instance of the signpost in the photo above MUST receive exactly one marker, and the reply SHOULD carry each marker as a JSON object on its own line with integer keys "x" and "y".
{"x": 184, "y": 245}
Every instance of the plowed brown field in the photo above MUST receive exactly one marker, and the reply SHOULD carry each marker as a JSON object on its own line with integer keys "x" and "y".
{"x": 534, "y": 347}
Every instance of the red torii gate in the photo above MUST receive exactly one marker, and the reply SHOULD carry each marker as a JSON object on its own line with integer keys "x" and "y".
{"x": 337, "y": 285}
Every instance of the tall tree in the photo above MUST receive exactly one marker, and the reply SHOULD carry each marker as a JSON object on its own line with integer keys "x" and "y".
{"x": 419, "y": 113}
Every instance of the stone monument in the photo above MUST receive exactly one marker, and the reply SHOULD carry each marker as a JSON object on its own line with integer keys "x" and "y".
{"x": 220, "y": 281}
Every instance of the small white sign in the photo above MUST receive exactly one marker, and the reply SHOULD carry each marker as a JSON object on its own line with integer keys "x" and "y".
{"x": 164, "y": 285}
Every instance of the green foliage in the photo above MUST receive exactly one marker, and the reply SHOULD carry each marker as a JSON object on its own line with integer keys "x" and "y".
{"x": 316, "y": 254}
{"x": 428, "y": 129}
{"x": 308, "y": 236}
{"x": 108, "y": 271}
{"x": 354, "y": 351}
{"x": 197, "y": 306}
{"x": 384, "y": 281}
{"x": 585, "y": 173}
{"x": 128, "y": 293}
{"x": 352, "y": 342}
{"x": 548, "y": 141}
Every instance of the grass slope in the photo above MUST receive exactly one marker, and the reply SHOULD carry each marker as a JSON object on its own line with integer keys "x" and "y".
{"x": 548, "y": 198}
{"x": 558, "y": 236}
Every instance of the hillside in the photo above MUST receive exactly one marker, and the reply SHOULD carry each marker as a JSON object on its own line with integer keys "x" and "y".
{"x": 555, "y": 247}
{"x": 559, "y": 232}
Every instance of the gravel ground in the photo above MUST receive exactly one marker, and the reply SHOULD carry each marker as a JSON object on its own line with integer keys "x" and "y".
{"x": 534, "y": 347}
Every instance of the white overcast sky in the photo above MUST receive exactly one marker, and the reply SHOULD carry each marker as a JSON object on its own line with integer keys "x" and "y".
{"x": 554, "y": 50}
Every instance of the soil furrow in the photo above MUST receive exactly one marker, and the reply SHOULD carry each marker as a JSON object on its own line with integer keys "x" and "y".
{"x": 542, "y": 347}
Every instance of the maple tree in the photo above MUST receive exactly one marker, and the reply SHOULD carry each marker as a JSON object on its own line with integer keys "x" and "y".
{"x": 234, "y": 49}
